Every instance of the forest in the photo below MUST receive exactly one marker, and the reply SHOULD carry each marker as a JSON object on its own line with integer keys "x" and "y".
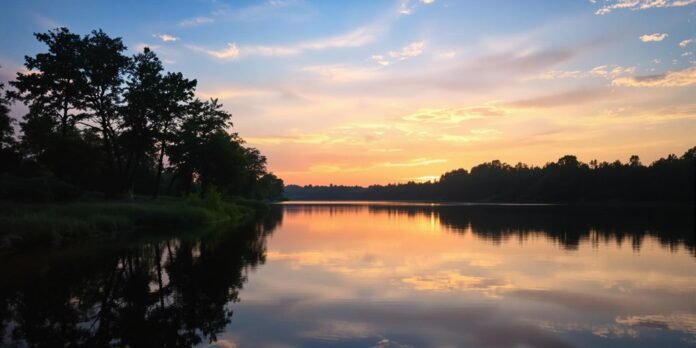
{"x": 568, "y": 180}
{"x": 105, "y": 125}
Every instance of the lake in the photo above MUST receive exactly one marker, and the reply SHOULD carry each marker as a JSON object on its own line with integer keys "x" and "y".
{"x": 370, "y": 274}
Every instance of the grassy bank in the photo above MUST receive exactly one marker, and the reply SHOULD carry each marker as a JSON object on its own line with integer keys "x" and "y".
{"x": 55, "y": 224}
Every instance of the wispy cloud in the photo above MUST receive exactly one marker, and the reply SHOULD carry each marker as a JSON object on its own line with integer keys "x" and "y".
{"x": 453, "y": 115}
{"x": 47, "y": 23}
{"x": 196, "y": 21}
{"x": 605, "y": 71}
{"x": 355, "y": 38}
{"x": 414, "y": 162}
{"x": 677, "y": 322}
{"x": 336, "y": 168}
{"x": 411, "y": 50}
{"x": 231, "y": 93}
{"x": 406, "y": 7}
{"x": 230, "y": 52}
{"x": 341, "y": 73}
{"x": 166, "y": 37}
{"x": 640, "y": 5}
{"x": 477, "y": 134}
{"x": 656, "y": 37}
{"x": 570, "y": 98}
{"x": 679, "y": 78}
{"x": 685, "y": 43}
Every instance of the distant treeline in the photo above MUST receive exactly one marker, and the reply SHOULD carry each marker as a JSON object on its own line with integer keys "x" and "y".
{"x": 101, "y": 121}
{"x": 669, "y": 179}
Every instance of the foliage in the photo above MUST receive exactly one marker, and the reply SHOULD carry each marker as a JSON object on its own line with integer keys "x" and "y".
{"x": 106, "y": 122}
{"x": 57, "y": 224}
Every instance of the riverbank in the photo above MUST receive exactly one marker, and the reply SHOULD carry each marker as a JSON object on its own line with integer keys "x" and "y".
{"x": 56, "y": 224}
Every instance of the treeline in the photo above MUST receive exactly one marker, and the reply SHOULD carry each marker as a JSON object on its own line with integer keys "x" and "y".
{"x": 669, "y": 179}
{"x": 101, "y": 121}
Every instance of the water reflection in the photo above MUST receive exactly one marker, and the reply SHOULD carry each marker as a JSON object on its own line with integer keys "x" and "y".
{"x": 371, "y": 275}
{"x": 359, "y": 275}
{"x": 162, "y": 293}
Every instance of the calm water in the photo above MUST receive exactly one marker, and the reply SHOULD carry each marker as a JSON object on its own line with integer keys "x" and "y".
{"x": 371, "y": 275}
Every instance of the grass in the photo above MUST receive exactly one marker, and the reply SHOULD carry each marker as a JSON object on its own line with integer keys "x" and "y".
{"x": 55, "y": 224}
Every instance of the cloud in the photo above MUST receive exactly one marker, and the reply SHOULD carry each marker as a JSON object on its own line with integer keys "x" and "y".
{"x": 605, "y": 71}
{"x": 298, "y": 139}
{"x": 413, "y": 162}
{"x": 195, "y": 21}
{"x": 411, "y": 50}
{"x": 683, "y": 322}
{"x": 47, "y": 23}
{"x": 340, "y": 73}
{"x": 339, "y": 168}
{"x": 453, "y": 115}
{"x": 477, "y": 134}
{"x": 573, "y": 300}
{"x": 166, "y": 37}
{"x": 230, "y": 93}
{"x": 355, "y": 38}
{"x": 451, "y": 281}
{"x": 640, "y": 5}
{"x": 685, "y": 43}
{"x": 563, "y": 99}
{"x": 656, "y": 37}
{"x": 611, "y": 71}
{"x": 270, "y": 51}
{"x": 226, "y": 53}
{"x": 679, "y": 78}
{"x": 414, "y": 49}
{"x": 406, "y": 7}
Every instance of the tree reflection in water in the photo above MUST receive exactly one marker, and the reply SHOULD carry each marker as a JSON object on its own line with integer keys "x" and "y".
{"x": 164, "y": 293}
{"x": 672, "y": 226}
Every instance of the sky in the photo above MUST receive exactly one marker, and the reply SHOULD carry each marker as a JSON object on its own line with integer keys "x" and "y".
{"x": 376, "y": 92}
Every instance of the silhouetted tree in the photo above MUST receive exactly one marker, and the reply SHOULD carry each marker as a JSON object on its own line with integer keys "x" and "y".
{"x": 101, "y": 120}
{"x": 175, "y": 94}
{"x": 54, "y": 85}
{"x": 6, "y": 122}
{"x": 202, "y": 121}
{"x": 104, "y": 65}
{"x": 141, "y": 111}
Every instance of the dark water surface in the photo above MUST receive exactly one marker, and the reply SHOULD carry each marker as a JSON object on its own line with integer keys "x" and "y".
{"x": 369, "y": 274}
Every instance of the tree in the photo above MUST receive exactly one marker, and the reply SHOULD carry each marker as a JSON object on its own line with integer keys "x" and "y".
{"x": 140, "y": 111}
{"x": 103, "y": 65}
{"x": 54, "y": 85}
{"x": 271, "y": 187}
{"x": 175, "y": 95}
{"x": 8, "y": 151}
{"x": 6, "y": 123}
{"x": 201, "y": 122}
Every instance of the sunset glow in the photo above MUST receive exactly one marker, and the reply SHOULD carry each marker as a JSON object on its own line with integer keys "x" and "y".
{"x": 393, "y": 91}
